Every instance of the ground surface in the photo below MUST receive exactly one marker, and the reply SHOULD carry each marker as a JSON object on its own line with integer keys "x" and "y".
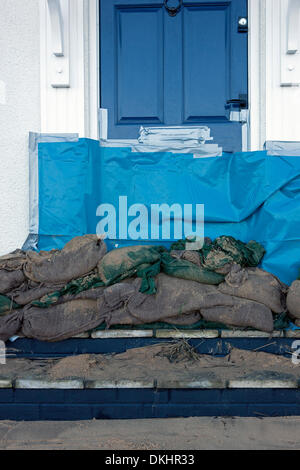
{"x": 159, "y": 434}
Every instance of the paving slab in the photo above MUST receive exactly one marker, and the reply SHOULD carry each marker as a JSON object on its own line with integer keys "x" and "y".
{"x": 154, "y": 434}
{"x": 206, "y": 334}
{"x": 27, "y": 383}
{"x": 104, "y": 334}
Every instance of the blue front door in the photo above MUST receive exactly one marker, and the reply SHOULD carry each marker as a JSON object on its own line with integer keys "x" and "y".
{"x": 158, "y": 69}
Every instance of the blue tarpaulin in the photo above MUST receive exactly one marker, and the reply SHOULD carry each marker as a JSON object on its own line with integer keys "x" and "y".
{"x": 251, "y": 196}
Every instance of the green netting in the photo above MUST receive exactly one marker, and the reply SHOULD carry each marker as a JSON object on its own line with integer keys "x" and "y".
{"x": 281, "y": 322}
{"x": 74, "y": 287}
{"x": 225, "y": 250}
{"x": 184, "y": 269}
{"x": 126, "y": 262}
{"x": 200, "y": 325}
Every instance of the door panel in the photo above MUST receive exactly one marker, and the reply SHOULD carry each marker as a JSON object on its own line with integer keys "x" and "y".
{"x": 163, "y": 70}
{"x": 139, "y": 90}
{"x": 205, "y": 93}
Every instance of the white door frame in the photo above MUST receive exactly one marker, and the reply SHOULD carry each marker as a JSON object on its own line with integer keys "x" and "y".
{"x": 75, "y": 109}
{"x": 257, "y": 13}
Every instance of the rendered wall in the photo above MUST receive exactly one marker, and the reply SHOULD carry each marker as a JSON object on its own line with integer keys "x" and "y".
{"x": 19, "y": 113}
{"x": 282, "y": 103}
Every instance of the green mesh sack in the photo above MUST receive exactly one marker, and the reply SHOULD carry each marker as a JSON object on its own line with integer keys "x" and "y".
{"x": 126, "y": 262}
{"x": 226, "y": 250}
{"x": 186, "y": 270}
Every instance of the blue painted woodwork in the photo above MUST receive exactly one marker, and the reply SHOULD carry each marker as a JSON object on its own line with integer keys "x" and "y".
{"x": 163, "y": 70}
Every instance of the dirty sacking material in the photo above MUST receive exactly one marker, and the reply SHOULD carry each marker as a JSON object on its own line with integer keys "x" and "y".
{"x": 80, "y": 256}
{"x": 61, "y": 321}
{"x": 125, "y": 304}
{"x": 55, "y": 323}
{"x": 255, "y": 284}
{"x": 293, "y": 300}
{"x": 242, "y": 313}
{"x": 57, "y": 294}
{"x": 11, "y": 271}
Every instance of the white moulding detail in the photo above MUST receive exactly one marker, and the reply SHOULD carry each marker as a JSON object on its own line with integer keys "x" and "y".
{"x": 59, "y": 55}
{"x": 290, "y": 43}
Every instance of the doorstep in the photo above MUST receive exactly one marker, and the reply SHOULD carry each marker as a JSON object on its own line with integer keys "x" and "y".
{"x": 214, "y": 342}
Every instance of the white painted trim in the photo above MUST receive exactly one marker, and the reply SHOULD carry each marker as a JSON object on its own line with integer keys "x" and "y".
{"x": 93, "y": 69}
{"x": 257, "y": 73}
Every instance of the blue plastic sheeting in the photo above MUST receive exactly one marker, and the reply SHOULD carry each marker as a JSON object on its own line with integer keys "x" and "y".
{"x": 34, "y": 139}
{"x": 246, "y": 195}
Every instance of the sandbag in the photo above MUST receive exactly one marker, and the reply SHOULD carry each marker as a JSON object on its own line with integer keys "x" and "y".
{"x": 184, "y": 269}
{"x": 70, "y": 291}
{"x": 10, "y": 280}
{"x": 293, "y": 300}
{"x": 11, "y": 271}
{"x": 10, "y": 325}
{"x": 185, "y": 319}
{"x": 225, "y": 251}
{"x": 255, "y": 284}
{"x": 6, "y": 305}
{"x": 189, "y": 255}
{"x": 91, "y": 294}
{"x": 62, "y": 321}
{"x": 78, "y": 257}
{"x": 125, "y": 262}
{"x": 242, "y": 313}
{"x": 124, "y": 304}
{"x": 13, "y": 261}
{"x": 28, "y": 296}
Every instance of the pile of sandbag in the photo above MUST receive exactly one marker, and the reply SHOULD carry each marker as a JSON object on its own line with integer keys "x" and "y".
{"x": 26, "y": 278}
{"x": 55, "y": 295}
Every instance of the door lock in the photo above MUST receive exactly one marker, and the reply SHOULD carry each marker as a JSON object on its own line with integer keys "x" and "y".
{"x": 241, "y": 102}
{"x": 243, "y": 24}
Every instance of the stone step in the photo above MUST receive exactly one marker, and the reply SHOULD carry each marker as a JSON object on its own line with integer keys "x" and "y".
{"x": 260, "y": 380}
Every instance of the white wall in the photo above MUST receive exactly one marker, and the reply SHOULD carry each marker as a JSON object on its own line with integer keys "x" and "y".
{"x": 282, "y": 103}
{"x": 19, "y": 113}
